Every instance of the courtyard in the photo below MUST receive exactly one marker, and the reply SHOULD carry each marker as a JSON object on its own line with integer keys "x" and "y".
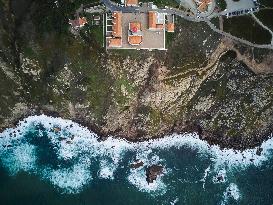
{"x": 151, "y": 39}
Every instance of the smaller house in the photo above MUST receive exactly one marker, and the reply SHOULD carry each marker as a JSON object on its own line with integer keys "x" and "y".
{"x": 203, "y": 5}
{"x": 170, "y": 23}
{"x": 78, "y": 23}
{"x": 170, "y": 27}
{"x": 131, "y": 2}
{"x": 156, "y": 20}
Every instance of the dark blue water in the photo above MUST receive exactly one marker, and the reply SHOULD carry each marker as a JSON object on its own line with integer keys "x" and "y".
{"x": 53, "y": 161}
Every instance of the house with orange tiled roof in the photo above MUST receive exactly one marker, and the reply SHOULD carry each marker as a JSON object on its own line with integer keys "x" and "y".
{"x": 78, "y": 23}
{"x": 170, "y": 27}
{"x": 131, "y": 2}
{"x": 156, "y": 20}
{"x": 170, "y": 23}
{"x": 115, "y": 41}
{"x": 202, "y": 5}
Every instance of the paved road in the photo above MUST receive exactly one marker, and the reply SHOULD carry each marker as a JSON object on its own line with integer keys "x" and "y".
{"x": 114, "y": 7}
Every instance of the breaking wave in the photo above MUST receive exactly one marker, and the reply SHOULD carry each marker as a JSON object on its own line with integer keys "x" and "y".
{"x": 71, "y": 157}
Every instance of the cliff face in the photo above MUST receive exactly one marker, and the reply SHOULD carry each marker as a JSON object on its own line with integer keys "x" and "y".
{"x": 203, "y": 82}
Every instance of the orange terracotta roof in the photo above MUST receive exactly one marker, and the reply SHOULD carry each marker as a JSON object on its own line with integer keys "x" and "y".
{"x": 170, "y": 27}
{"x": 131, "y": 2}
{"x": 82, "y": 21}
{"x": 136, "y": 25}
{"x": 117, "y": 29}
{"x": 203, "y": 5}
{"x": 78, "y": 22}
{"x": 134, "y": 40}
{"x": 152, "y": 20}
{"x": 206, "y": 1}
{"x": 159, "y": 26}
{"x": 115, "y": 42}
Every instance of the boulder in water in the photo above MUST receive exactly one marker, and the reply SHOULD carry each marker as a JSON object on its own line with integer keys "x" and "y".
{"x": 153, "y": 172}
{"x": 56, "y": 129}
{"x": 136, "y": 164}
{"x": 259, "y": 151}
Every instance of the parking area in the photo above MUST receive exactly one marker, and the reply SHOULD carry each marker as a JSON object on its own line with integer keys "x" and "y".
{"x": 242, "y": 7}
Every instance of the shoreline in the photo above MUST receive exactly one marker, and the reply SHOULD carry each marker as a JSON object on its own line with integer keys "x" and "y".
{"x": 209, "y": 137}
{"x": 89, "y": 160}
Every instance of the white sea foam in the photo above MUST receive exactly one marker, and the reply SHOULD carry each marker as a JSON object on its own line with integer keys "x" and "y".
{"x": 21, "y": 157}
{"x": 147, "y": 156}
{"x": 205, "y": 176}
{"x": 221, "y": 177}
{"x": 137, "y": 177}
{"x": 175, "y": 201}
{"x": 232, "y": 191}
{"x": 107, "y": 170}
{"x": 75, "y": 143}
{"x": 71, "y": 180}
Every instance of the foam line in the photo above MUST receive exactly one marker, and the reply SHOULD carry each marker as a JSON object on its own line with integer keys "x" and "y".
{"x": 80, "y": 147}
{"x": 231, "y": 192}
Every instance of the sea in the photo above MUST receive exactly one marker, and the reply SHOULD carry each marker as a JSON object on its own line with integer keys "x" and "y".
{"x": 53, "y": 161}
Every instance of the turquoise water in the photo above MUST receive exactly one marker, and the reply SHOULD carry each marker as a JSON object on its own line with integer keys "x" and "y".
{"x": 54, "y": 161}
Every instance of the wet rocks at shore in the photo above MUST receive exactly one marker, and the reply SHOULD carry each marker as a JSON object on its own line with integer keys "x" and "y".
{"x": 136, "y": 164}
{"x": 259, "y": 151}
{"x": 153, "y": 172}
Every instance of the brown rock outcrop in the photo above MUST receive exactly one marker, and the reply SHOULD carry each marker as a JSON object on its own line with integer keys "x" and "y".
{"x": 153, "y": 172}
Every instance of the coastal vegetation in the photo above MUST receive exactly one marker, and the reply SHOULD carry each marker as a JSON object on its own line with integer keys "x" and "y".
{"x": 265, "y": 16}
{"x": 169, "y": 37}
{"x": 247, "y": 28}
{"x": 193, "y": 86}
{"x": 163, "y": 3}
{"x": 221, "y": 4}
